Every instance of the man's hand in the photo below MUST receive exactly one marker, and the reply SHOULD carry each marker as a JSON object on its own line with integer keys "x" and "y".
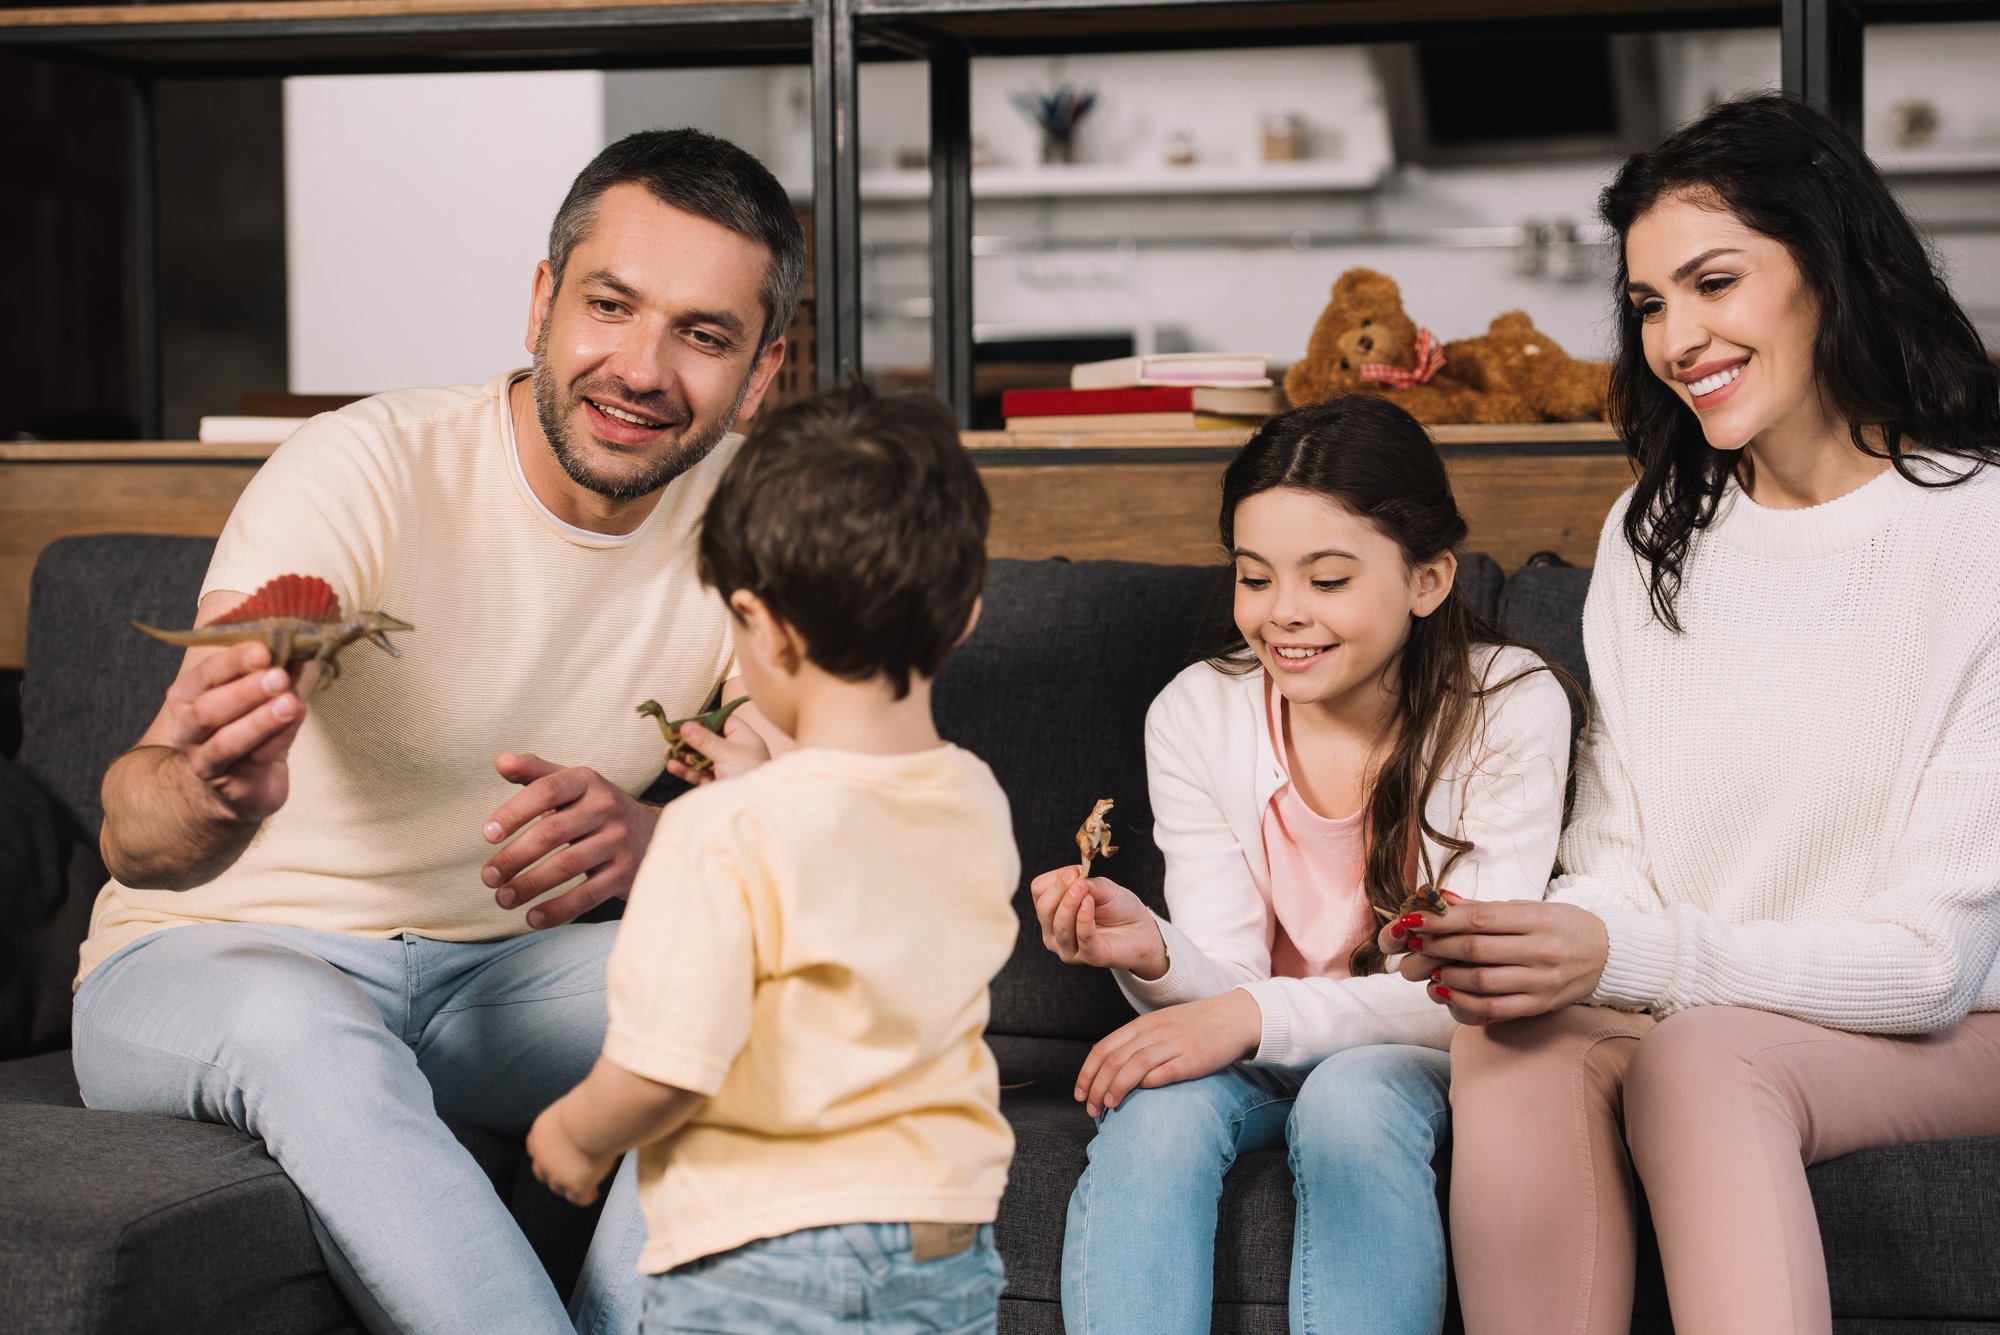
{"x": 578, "y": 823}
{"x": 1097, "y": 922}
{"x": 233, "y": 718}
{"x": 561, "y": 1164}
{"x": 1495, "y": 960}
{"x": 1184, "y": 1042}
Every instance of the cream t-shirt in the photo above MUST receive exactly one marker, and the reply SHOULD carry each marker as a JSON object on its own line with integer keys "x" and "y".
{"x": 810, "y": 945}
{"x": 531, "y": 636}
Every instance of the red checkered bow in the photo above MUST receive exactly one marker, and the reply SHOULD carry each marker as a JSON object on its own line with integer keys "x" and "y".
{"x": 1430, "y": 360}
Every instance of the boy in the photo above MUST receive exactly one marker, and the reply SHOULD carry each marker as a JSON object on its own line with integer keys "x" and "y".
{"x": 798, "y": 990}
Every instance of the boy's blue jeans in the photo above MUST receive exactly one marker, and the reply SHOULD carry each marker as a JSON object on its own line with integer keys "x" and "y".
{"x": 850, "y": 1277}
{"x": 1368, "y": 1250}
{"x": 343, "y": 1053}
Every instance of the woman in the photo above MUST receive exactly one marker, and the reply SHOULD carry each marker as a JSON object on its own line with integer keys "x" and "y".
{"x": 1773, "y": 937}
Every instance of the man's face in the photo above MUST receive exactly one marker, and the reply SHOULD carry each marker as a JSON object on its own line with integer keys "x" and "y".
{"x": 648, "y": 352}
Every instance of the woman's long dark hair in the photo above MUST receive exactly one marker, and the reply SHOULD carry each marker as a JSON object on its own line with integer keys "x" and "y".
{"x": 1895, "y": 357}
{"x": 1370, "y": 457}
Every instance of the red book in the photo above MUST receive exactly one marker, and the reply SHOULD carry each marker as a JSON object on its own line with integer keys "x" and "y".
{"x": 1149, "y": 399}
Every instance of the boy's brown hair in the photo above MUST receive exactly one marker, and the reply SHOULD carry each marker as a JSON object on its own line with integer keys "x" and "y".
{"x": 861, "y": 522}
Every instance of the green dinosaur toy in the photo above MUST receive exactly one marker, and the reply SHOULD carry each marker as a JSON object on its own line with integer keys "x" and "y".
{"x": 677, "y": 749}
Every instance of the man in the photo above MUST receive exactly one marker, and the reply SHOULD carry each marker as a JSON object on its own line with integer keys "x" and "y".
{"x": 310, "y": 933}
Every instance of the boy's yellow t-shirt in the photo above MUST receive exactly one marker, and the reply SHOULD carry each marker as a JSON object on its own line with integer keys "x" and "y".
{"x": 810, "y": 945}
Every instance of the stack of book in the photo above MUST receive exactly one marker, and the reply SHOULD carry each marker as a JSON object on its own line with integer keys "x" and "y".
{"x": 1181, "y": 391}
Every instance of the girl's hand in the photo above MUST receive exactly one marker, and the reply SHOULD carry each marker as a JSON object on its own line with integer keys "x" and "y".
{"x": 1184, "y": 1042}
{"x": 737, "y": 751}
{"x": 1097, "y": 922}
{"x": 1504, "y": 959}
{"x": 560, "y": 1165}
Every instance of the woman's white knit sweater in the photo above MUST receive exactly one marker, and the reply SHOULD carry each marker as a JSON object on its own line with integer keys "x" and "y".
{"x": 1794, "y": 805}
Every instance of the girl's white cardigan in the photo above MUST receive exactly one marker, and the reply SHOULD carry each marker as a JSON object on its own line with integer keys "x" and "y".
{"x": 1212, "y": 771}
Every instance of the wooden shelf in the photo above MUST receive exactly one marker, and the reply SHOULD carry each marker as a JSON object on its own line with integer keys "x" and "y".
{"x": 1107, "y": 180}
{"x": 1024, "y": 27}
{"x": 320, "y": 36}
{"x": 1135, "y": 497}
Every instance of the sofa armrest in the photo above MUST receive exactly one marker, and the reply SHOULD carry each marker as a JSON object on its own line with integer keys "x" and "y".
{"x": 41, "y": 922}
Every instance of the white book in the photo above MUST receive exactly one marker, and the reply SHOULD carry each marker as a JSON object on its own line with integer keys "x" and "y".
{"x": 247, "y": 430}
{"x": 1218, "y": 369}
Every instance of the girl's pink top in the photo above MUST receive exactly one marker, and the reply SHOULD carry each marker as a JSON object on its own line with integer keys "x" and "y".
{"x": 1316, "y": 873}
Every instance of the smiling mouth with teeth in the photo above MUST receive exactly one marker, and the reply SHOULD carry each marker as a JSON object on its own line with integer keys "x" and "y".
{"x": 1709, "y": 384}
{"x": 620, "y": 415}
{"x": 1293, "y": 652}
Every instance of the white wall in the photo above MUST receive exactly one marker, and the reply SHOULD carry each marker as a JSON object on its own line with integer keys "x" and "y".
{"x": 419, "y": 205}
{"x": 416, "y": 209}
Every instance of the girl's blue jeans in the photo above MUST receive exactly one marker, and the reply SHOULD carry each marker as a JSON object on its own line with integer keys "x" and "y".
{"x": 820, "y": 1281}
{"x": 1368, "y": 1248}
{"x": 344, "y": 1054}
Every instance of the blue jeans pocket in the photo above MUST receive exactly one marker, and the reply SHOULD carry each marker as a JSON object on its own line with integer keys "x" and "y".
{"x": 814, "y": 1281}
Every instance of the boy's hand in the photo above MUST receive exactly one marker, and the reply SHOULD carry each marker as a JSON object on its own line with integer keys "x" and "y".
{"x": 560, "y": 1165}
{"x": 737, "y": 751}
{"x": 1097, "y": 921}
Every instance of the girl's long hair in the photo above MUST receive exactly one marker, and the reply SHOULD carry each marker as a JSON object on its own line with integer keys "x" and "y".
{"x": 1895, "y": 357}
{"x": 1369, "y": 457}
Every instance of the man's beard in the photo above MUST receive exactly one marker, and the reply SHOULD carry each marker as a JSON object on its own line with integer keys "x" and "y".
{"x": 653, "y": 474}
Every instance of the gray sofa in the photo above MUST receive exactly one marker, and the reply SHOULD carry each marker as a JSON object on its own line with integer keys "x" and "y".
{"x": 119, "y": 1223}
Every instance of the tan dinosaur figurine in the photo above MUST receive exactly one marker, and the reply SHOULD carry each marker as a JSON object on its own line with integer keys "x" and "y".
{"x": 1093, "y": 837}
{"x": 677, "y": 749}
{"x": 1427, "y": 899}
{"x": 299, "y": 617}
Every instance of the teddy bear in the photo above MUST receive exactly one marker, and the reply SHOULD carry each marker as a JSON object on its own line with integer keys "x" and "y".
{"x": 1365, "y": 343}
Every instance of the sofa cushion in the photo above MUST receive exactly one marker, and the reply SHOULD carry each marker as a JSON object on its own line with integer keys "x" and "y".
{"x": 1542, "y": 607}
{"x": 46, "y": 916}
{"x": 139, "y": 1223}
{"x": 1051, "y": 691}
{"x": 93, "y": 684}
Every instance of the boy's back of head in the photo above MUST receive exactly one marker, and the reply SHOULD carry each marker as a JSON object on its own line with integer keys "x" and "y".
{"x": 861, "y": 522}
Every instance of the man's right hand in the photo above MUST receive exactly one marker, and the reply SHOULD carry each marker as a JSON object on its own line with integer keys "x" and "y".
{"x": 233, "y": 718}
{"x": 1098, "y": 922}
{"x": 186, "y": 800}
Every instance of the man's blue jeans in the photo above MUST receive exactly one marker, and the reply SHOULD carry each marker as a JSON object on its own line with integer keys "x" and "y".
{"x": 1368, "y": 1251}
{"x": 820, "y": 1281}
{"x": 343, "y": 1054}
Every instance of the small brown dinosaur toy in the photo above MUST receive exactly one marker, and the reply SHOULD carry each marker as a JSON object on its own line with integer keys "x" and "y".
{"x": 677, "y": 749}
{"x": 1427, "y": 899}
{"x": 299, "y": 617}
{"x": 1093, "y": 837}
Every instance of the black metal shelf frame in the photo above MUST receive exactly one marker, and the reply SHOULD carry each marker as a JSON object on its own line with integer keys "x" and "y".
{"x": 1820, "y": 40}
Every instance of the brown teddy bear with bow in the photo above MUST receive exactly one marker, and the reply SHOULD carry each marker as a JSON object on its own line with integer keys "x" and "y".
{"x": 1365, "y": 343}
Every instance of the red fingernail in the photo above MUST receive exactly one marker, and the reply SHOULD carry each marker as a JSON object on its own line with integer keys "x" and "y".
{"x": 1435, "y": 973}
{"x": 1409, "y": 922}
{"x": 1444, "y": 991}
{"x": 1396, "y": 929}
{"x": 1416, "y": 943}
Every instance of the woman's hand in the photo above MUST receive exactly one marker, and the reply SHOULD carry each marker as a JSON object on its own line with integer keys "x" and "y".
{"x": 1097, "y": 922}
{"x": 1184, "y": 1042}
{"x": 1488, "y": 960}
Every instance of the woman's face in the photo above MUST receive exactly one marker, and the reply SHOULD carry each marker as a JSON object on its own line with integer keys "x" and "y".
{"x": 1727, "y": 321}
{"x": 1323, "y": 596}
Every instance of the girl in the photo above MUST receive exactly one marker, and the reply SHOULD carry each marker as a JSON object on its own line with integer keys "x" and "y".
{"x": 1368, "y": 735}
{"x": 1774, "y": 939}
